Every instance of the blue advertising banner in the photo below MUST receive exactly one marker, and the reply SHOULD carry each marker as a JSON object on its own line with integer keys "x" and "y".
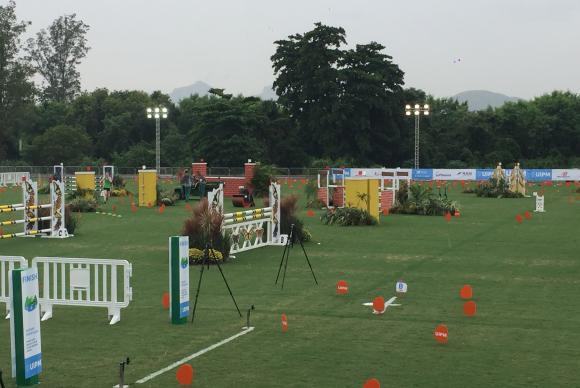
{"x": 422, "y": 174}
{"x": 537, "y": 175}
{"x": 483, "y": 175}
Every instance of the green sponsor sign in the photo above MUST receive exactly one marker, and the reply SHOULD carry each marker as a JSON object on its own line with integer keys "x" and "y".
{"x": 25, "y": 326}
{"x": 178, "y": 279}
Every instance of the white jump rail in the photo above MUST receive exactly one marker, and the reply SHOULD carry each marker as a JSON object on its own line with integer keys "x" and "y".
{"x": 83, "y": 282}
{"x": 7, "y": 264}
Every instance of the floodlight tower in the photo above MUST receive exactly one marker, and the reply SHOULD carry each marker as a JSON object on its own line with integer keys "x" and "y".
{"x": 417, "y": 110}
{"x": 157, "y": 113}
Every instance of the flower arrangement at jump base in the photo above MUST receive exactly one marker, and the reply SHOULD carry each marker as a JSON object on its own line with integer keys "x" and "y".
{"x": 348, "y": 216}
{"x": 421, "y": 200}
{"x": 205, "y": 227}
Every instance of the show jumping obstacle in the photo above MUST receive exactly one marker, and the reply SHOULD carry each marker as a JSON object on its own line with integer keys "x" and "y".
{"x": 250, "y": 229}
{"x": 30, "y": 206}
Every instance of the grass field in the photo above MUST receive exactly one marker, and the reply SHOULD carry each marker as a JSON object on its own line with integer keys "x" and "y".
{"x": 526, "y": 281}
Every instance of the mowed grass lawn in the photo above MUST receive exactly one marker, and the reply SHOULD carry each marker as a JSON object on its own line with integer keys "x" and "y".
{"x": 525, "y": 277}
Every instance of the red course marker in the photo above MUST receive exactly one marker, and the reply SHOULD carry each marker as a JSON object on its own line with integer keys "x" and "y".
{"x": 457, "y": 214}
{"x": 466, "y": 292}
{"x": 284, "y": 323}
{"x": 448, "y": 217}
{"x": 185, "y": 374}
{"x": 528, "y": 215}
{"x": 310, "y": 213}
{"x": 341, "y": 287}
{"x": 519, "y": 219}
{"x": 372, "y": 383}
{"x": 441, "y": 334}
{"x": 165, "y": 300}
{"x": 469, "y": 308}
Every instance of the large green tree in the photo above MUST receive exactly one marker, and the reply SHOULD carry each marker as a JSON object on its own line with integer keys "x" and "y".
{"x": 16, "y": 88}
{"x": 56, "y": 54}
{"x": 346, "y": 103}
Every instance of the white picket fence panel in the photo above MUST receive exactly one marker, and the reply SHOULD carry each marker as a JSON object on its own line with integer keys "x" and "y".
{"x": 13, "y": 178}
{"x": 83, "y": 282}
{"x": 7, "y": 264}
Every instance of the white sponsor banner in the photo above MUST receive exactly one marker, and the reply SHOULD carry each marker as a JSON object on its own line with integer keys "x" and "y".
{"x": 464, "y": 174}
{"x": 566, "y": 174}
{"x": 364, "y": 173}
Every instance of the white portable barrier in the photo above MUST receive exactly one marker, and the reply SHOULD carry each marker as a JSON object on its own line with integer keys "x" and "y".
{"x": 13, "y": 178}
{"x": 7, "y": 264}
{"x": 84, "y": 282}
{"x": 256, "y": 228}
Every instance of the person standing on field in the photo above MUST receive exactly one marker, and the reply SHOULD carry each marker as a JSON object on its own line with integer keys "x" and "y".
{"x": 186, "y": 184}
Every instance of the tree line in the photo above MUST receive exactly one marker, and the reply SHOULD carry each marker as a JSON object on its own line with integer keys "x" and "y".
{"x": 336, "y": 106}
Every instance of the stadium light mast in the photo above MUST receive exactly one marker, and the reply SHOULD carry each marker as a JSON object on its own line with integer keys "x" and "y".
{"x": 416, "y": 111}
{"x": 157, "y": 113}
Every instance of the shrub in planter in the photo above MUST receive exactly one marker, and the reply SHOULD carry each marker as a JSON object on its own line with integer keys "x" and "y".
{"x": 71, "y": 220}
{"x": 288, "y": 210}
{"x": 422, "y": 201}
{"x": 496, "y": 189}
{"x": 348, "y": 216}
{"x": 83, "y": 205}
{"x": 205, "y": 227}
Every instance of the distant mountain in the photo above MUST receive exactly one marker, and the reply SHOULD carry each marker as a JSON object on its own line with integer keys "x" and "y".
{"x": 481, "y": 99}
{"x": 268, "y": 94}
{"x": 200, "y": 88}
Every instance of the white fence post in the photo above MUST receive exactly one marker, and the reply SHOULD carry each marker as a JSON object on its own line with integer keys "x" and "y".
{"x": 7, "y": 264}
{"x": 100, "y": 292}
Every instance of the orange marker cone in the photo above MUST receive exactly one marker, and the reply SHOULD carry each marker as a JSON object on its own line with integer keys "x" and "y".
{"x": 284, "y": 323}
{"x": 448, "y": 217}
{"x": 528, "y": 215}
{"x": 519, "y": 219}
{"x": 310, "y": 213}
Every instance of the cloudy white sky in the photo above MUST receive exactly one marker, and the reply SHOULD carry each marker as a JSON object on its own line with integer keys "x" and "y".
{"x": 522, "y": 48}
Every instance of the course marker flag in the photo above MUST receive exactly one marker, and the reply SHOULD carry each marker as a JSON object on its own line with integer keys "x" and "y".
{"x": 372, "y": 383}
{"x": 284, "y": 323}
{"x": 441, "y": 334}
{"x": 341, "y": 287}
{"x": 184, "y": 374}
{"x": 528, "y": 215}
{"x": 466, "y": 292}
{"x": 448, "y": 216}
{"x": 519, "y": 218}
{"x": 165, "y": 300}
{"x": 469, "y": 308}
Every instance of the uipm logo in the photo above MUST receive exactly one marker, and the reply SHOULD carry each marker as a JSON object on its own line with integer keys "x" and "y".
{"x": 30, "y": 303}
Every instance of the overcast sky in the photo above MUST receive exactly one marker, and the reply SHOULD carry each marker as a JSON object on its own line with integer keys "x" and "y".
{"x": 521, "y": 48}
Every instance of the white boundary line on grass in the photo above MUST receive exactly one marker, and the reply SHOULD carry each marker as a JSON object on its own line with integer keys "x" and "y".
{"x": 194, "y": 355}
